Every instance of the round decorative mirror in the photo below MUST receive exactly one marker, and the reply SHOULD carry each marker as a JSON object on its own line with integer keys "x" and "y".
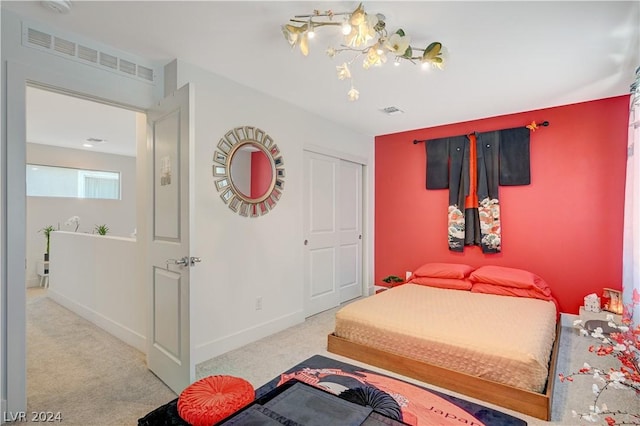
{"x": 249, "y": 171}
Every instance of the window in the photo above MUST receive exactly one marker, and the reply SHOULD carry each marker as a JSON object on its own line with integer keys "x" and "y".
{"x": 53, "y": 181}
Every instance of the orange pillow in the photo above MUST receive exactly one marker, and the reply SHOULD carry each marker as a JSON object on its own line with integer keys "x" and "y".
{"x": 509, "y": 277}
{"x": 451, "y": 283}
{"x": 509, "y": 291}
{"x": 213, "y": 398}
{"x": 443, "y": 270}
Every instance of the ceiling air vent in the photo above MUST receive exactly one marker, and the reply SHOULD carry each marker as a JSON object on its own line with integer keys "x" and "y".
{"x": 64, "y": 46}
{"x": 87, "y": 54}
{"x": 36, "y": 36}
{"x": 128, "y": 67}
{"x": 146, "y": 73}
{"x": 108, "y": 60}
{"x": 391, "y": 110}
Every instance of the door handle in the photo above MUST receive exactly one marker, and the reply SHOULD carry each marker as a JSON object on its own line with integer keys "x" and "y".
{"x": 185, "y": 261}
{"x": 182, "y": 262}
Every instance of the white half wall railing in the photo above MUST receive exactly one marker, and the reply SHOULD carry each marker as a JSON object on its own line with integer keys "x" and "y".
{"x": 97, "y": 277}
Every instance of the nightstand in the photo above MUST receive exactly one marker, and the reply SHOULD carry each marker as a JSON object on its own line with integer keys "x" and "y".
{"x": 385, "y": 286}
{"x": 602, "y": 315}
{"x": 379, "y": 289}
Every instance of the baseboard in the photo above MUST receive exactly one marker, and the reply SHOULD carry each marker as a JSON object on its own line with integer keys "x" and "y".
{"x": 118, "y": 330}
{"x": 206, "y": 351}
{"x": 33, "y": 282}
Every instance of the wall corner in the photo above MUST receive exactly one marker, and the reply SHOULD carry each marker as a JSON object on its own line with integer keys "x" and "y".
{"x": 170, "y": 77}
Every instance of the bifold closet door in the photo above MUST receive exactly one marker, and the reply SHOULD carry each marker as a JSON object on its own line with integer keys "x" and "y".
{"x": 332, "y": 231}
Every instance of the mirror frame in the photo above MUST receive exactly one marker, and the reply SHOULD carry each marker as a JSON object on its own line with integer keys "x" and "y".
{"x": 227, "y": 146}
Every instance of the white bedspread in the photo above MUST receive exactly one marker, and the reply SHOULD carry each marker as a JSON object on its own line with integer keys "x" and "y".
{"x": 500, "y": 338}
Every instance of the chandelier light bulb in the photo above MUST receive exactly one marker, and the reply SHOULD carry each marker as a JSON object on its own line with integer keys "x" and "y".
{"x": 311, "y": 32}
{"x": 346, "y": 28}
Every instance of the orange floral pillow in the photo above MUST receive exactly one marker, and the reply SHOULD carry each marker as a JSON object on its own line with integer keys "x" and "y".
{"x": 443, "y": 270}
{"x": 450, "y": 283}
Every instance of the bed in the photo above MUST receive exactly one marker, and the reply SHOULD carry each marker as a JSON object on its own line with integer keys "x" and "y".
{"x": 490, "y": 333}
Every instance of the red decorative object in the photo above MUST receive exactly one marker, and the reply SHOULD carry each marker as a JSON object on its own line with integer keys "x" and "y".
{"x": 613, "y": 300}
{"x": 213, "y": 398}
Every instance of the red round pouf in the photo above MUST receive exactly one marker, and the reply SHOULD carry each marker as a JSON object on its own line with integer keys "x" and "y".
{"x": 213, "y": 398}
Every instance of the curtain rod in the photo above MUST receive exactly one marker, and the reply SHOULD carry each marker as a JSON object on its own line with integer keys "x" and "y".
{"x": 533, "y": 126}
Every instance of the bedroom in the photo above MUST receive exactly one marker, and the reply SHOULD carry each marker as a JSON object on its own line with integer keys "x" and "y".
{"x": 228, "y": 240}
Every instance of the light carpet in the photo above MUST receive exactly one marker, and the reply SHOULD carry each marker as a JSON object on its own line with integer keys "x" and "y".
{"x": 92, "y": 378}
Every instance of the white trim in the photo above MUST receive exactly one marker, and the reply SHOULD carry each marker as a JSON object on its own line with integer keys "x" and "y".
{"x": 206, "y": 351}
{"x": 336, "y": 154}
{"x": 123, "y": 333}
{"x": 16, "y": 300}
{"x": 3, "y": 409}
{"x": 18, "y": 76}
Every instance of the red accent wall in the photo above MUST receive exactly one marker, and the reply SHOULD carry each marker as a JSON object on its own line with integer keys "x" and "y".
{"x": 566, "y": 226}
{"x": 260, "y": 174}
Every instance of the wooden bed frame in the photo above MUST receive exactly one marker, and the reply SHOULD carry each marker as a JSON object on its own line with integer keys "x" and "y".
{"x": 527, "y": 402}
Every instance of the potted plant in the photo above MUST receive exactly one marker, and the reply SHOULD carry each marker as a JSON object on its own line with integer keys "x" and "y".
{"x": 392, "y": 280}
{"x": 47, "y": 235}
{"x": 102, "y": 229}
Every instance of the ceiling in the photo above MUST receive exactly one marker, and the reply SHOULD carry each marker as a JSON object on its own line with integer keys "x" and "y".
{"x": 70, "y": 122}
{"x": 504, "y": 57}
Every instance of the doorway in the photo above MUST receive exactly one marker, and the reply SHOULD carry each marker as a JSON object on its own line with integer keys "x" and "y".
{"x": 81, "y": 162}
{"x": 67, "y": 78}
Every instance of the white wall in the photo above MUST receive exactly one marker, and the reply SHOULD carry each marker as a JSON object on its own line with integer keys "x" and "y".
{"x": 118, "y": 215}
{"x": 244, "y": 258}
{"x": 96, "y": 277}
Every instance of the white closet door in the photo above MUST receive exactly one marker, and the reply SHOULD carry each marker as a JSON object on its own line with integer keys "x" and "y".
{"x": 350, "y": 225}
{"x": 332, "y": 231}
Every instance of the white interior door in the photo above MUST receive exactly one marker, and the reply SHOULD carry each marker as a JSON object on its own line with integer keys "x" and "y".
{"x": 350, "y": 225}
{"x": 170, "y": 145}
{"x": 332, "y": 231}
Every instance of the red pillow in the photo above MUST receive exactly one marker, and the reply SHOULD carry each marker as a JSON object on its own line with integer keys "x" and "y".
{"x": 443, "y": 270}
{"x": 451, "y": 283}
{"x": 211, "y": 399}
{"x": 509, "y": 291}
{"x": 509, "y": 277}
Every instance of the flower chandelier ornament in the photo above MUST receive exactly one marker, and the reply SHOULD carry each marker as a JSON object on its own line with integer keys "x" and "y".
{"x": 367, "y": 36}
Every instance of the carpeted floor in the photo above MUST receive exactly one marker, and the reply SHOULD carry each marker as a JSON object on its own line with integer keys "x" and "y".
{"x": 92, "y": 378}
{"x": 82, "y": 372}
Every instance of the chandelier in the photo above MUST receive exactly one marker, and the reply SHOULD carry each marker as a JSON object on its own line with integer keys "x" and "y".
{"x": 366, "y": 36}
